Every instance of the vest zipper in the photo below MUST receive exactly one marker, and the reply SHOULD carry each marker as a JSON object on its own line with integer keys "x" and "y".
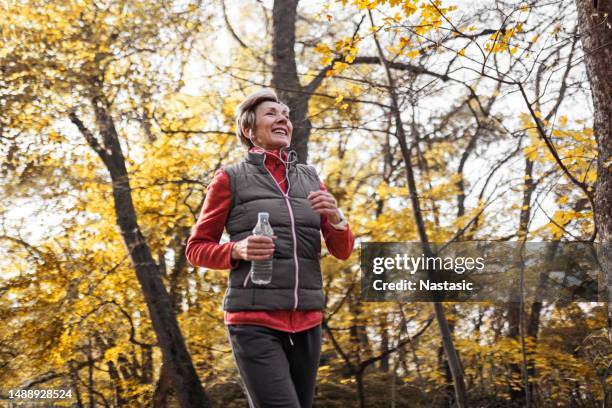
{"x": 295, "y": 260}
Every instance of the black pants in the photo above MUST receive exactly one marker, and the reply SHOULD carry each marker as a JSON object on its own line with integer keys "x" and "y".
{"x": 278, "y": 369}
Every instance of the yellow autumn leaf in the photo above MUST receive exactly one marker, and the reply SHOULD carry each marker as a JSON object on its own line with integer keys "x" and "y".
{"x": 340, "y": 66}
{"x": 413, "y": 54}
{"x": 112, "y": 353}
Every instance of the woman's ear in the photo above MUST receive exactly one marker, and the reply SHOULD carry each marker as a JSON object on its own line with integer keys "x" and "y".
{"x": 248, "y": 133}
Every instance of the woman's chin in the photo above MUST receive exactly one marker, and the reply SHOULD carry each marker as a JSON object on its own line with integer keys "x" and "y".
{"x": 279, "y": 144}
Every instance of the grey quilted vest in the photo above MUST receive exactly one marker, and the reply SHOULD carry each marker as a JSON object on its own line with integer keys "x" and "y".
{"x": 296, "y": 276}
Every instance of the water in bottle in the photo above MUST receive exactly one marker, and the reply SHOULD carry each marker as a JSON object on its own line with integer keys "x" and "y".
{"x": 261, "y": 271}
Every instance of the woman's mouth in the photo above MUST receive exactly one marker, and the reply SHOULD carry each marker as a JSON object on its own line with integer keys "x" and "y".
{"x": 280, "y": 132}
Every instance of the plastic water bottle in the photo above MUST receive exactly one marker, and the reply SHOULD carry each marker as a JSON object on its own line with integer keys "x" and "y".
{"x": 261, "y": 271}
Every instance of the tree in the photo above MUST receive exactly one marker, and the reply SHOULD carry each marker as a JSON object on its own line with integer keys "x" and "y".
{"x": 596, "y": 37}
{"x": 90, "y": 59}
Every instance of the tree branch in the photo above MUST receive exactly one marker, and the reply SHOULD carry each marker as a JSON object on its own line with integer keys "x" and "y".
{"x": 364, "y": 364}
{"x": 346, "y": 359}
{"x": 89, "y": 136}
{"x": 400, "y": 66}
{"x": 314, "y": 84}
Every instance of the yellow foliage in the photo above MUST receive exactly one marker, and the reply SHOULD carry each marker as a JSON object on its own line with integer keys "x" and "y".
{"x": 325, "y": 52}
{"x": 112, "y": 353}
{"x": 413, "y": 54}
{"x": 339, "y": 67}
{"x": 500, "y": 41}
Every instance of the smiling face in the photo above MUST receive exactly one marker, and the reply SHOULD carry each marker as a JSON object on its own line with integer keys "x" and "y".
{"x": 273, "y": 128}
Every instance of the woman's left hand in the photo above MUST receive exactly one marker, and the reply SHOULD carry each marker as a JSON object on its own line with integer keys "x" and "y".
{"x": 324, "y": 203}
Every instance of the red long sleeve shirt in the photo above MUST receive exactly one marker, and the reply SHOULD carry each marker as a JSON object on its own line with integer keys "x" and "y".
{"x": 203, "y": 249}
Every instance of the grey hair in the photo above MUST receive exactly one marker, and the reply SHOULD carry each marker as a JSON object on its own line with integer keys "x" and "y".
{"x": 245, "y": 113}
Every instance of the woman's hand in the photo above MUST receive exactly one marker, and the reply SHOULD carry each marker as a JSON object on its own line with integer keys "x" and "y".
{"x": 253, "y": 248}
{"x": 325, "y": 203}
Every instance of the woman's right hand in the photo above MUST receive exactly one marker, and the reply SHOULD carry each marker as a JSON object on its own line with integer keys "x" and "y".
{"x": 253, "y": 248}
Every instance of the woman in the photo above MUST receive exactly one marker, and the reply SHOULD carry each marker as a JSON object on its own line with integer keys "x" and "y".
{"x": 274, "y": 329}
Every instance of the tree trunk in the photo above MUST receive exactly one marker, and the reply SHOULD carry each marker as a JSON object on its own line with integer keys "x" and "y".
{"x": 360, "y": 390}
{"x": 189, "y": 390}
{"x": 533, "y": 325}
{"x": 116, "y": 380}
{"x": 285, "y": 78}
{"x": 90, "y": 373}
{"x": 445, "y": 372}
{"x": 596, "y": 35}
{"x": 394, "y": 379}
{"x": 162, "y": 389}
{"x": 147, "y": 365}
{"x": 179, "y": 290}
{"x": 515, "y": 306}
{"x": 449, "y": 347}
{"x": 74, "y": 377}
{"x": 384, "y": 345}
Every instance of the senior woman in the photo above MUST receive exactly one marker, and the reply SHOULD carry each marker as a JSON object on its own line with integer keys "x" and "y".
{"x": 275, "y": 329}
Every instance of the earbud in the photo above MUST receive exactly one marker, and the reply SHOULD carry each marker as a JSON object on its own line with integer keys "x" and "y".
{"x": 252, "y": 139}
